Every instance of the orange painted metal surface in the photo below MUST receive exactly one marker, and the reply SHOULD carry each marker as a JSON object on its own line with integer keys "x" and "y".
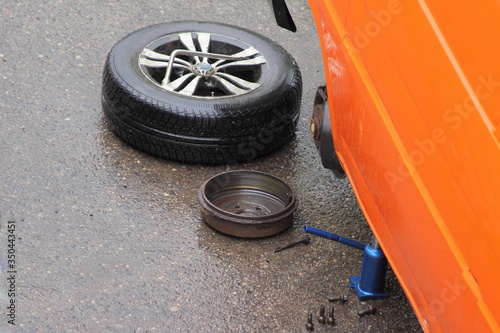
{"x": 414, "y": 97}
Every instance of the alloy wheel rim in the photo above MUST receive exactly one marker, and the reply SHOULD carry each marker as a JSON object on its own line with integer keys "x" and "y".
{"x": 203, "y": 65}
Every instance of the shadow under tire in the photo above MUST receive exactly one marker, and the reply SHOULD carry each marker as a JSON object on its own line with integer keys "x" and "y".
{"x": 230, "y": 94}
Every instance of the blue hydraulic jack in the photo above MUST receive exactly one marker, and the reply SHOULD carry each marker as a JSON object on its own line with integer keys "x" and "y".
{"x": 370, "y": 283}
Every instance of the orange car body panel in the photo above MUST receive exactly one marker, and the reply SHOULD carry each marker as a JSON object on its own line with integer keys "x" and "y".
{"x": 414, "y": 99}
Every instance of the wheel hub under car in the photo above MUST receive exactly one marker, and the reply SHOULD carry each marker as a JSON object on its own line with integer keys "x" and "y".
{"x": 321, "y": 132}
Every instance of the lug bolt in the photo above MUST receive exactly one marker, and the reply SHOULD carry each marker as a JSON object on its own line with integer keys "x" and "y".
{"x": 321, "y": 317}
{"x": 339, "y": 298}
{"x": 304, "y": 240}
{"x": 314, "y": 128}
{"x": 369, "y": 310}
{"x": 310, "y": 325}
{"x": 331, "y": 319}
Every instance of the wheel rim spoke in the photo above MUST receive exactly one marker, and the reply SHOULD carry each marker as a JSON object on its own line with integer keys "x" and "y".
{"x": 244, "y": 83}
{"x": 191, "y": 87}
{"x": 248, "y": 62}
{"x": 188, "y": 42}
{"x": 178, "y": 82}
{"x": 159, "y": 64}
{"x": 229, "y": 86}
{"x": 152, "y": 55}
{"x": 204, "y": 41}
{"x": 248, "y": 52}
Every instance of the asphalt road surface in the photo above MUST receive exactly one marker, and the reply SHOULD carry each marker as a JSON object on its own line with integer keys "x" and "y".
{"x": 110, "y": 239}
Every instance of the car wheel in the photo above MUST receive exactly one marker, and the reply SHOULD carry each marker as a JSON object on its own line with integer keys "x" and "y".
{"x": 201, "y": 92}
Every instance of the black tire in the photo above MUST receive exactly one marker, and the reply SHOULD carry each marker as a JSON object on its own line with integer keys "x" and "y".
{"x": 214, "y": 123}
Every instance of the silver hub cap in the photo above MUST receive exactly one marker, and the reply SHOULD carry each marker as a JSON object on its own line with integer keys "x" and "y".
{"x": 203, "y": 65}
{"x": 204, "y": 69}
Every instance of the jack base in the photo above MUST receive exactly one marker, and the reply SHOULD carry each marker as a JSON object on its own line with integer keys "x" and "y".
{"x": 362, "y": 294}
